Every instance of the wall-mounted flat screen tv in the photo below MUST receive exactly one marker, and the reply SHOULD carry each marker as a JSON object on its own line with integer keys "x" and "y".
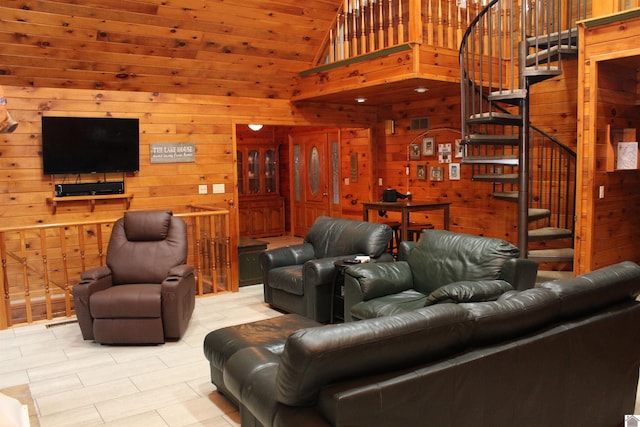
{"x": 74, "y": 145}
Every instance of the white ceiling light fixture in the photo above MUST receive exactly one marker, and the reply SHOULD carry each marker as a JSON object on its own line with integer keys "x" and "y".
{"x": 255, "y": 127}
{"x": 421, "y": 89}
{"x": 361, "y": 100}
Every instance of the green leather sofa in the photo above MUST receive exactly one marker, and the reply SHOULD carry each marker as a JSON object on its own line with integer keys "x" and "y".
{"x": 442, "y": 266}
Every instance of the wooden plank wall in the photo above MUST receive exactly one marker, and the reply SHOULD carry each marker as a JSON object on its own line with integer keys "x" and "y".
{"x": 208, "y": 121}
{"x": 473, "y": 210}
{"x": 356, "y": 142}
{"x": 607, "y": 229}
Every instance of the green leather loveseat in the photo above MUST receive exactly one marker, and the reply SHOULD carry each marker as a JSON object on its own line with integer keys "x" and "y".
{"x": 442, "y": 266}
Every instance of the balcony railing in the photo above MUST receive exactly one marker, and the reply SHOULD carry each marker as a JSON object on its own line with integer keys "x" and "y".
{"x": 365, "y": 26}
{"x": 40, "y": 264}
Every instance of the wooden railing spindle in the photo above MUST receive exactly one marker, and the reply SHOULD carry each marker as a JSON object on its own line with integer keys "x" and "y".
{"x": 390, "y": 26}
{"x": 5, "y": 319}
{"x": 199, "y": 250}
{"x": 65, "y": 271}
{"x": 400, "y": 23}
{"x": 381, "y": 25}
{"x": 45, "y": 271}
{"x": 371, "y": 11}
{"x": 25, "y": 277}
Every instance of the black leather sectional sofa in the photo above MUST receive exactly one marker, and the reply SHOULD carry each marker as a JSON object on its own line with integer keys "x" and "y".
{"x": 566, "y": 353}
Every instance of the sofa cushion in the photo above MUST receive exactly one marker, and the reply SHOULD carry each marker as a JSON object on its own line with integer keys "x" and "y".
{"x": 441, "y": 257}
{"x": 332, "y": 237}
{"x": 503, "y": 319}
{"x": 389, "y": 305}
{"x": 469, "y": 291}
{"x": 315, "y": 357}
{"x": 288, "y": 279}
{"x": 594, "y": 290}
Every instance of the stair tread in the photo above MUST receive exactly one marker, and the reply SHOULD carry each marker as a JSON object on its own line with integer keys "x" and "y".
{"x": 495, "y": 117}
{"x": 549, "y": 233}
{"x": 540, "y": 73}
{"x": 510, "y": 160}
{"x": 537, "y": 213}
{"x": 545, "y": 56}
{"x": 506, "y": 195}
{"x": 552, "y": 255}
{"x": 565, "y": 36}
{"x": 509, "y": 96}
{"x": 513, "y": 139}
{"x": 496, "y": 177}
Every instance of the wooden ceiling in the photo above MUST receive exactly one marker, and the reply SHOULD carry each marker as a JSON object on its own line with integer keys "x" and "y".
{"x": 254, "y": 48}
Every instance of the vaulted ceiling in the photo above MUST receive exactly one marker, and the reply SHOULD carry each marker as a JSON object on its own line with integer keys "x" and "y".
{"x": 248, "y": 48}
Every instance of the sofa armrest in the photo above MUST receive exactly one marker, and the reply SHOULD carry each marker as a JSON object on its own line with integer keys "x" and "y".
{"x": 319, "y": 272}
{"x": 404, "y": 249}
{"x": 250, "y": 376}
{"x": 521, "y": 273}
{"x": 288, "y": 255}
{"x": 363, "y": 282}
{"x": 469, "y": 291}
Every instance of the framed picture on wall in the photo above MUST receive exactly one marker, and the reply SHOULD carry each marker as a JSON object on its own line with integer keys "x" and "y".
{"x": 444, "y": 153}
{"x": 454, "y": 171}
{"x": 428, "y": 145}
{"x": 414, "y": 151}
{"x": 421, "y": 172}
{"x": 436, "y": 173}
{"x": 459, "y": 148}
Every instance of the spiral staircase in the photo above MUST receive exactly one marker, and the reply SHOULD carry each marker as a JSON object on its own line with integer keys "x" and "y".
{"x": 505, "y": 50}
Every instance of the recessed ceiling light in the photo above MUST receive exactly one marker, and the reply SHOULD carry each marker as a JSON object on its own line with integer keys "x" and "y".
{"x": 421, "y": 89}
{"x": 361, "y": 100}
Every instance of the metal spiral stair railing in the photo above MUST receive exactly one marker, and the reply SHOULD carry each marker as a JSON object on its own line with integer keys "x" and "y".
{"x": 506, "y": 49}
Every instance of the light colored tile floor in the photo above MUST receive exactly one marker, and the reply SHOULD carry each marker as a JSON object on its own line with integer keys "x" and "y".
{"x": 80, "y": 383}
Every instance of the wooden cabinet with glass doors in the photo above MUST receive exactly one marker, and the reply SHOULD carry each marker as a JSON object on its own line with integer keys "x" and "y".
{"x": 261, "y": 208}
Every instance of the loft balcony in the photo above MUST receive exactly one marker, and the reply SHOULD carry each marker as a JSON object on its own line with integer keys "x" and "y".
{"x": 383, "y": 50}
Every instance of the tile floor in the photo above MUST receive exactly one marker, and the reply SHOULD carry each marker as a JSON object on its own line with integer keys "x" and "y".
{"x": 79, "y": 383}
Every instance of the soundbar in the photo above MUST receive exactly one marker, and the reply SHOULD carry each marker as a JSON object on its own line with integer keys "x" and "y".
{"x": 89, "y": 189}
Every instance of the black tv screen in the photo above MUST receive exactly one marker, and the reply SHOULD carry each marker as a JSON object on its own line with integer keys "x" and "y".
{"x": 74, "y": 145}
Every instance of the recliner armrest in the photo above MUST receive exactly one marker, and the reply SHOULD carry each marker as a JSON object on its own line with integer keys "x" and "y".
{"x": 288, "y": 255}
{"x": 182, "y": 270}
{"x": 93, "y": 280}
{"x": 96, "y": 273}
{"x": 178, "y": 300}
{"x": 521, "y": 273}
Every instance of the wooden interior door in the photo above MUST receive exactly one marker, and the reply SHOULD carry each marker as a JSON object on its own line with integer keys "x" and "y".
{"x": 312, "y": 171}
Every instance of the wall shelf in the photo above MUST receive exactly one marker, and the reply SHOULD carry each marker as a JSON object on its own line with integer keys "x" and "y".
{"x": 53, "y": 201}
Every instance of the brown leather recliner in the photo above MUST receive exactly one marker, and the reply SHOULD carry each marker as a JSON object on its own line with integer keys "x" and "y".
{"x": 146, "y": 292}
